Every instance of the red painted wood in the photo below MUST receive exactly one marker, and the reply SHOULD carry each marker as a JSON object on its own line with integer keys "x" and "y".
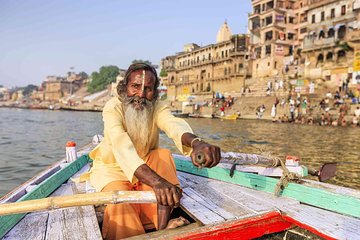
{"x": 307, "y": 227}
{"x": 249, "y": 228}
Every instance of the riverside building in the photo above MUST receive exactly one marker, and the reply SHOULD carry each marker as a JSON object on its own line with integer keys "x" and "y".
{"x": 304, "y": 41}
{"x": 333, "y": 38}
{"x": 204, "y": 71}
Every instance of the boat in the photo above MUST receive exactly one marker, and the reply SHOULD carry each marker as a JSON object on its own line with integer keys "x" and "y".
{"x": 229, "y": 117}
{"x": 229, "y": 201}
{"x": 180, "y": 114}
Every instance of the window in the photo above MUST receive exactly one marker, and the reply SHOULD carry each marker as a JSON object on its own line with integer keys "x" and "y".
{"x": 331, "y": 33}
{"x": 275, "y": 65}
{"x": 268, "y": 49}
{"x": 332, "y": 14}
{"x": 343, "y": 10}
{"x": 322, "y": 16}
{"x": 268, "y": 35}
{"x": 303, "y": 30}
{"x": 291, "y": 19}
{"x": 321, "y": 34}
{"x": 313, "y": 18}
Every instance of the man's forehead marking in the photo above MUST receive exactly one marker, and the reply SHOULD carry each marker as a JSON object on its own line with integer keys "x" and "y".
{"x": 143, "y": 79}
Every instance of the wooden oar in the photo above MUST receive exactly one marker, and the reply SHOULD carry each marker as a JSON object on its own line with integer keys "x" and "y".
{"x": 97, "y": 198}
{"x": 325, "y": 172}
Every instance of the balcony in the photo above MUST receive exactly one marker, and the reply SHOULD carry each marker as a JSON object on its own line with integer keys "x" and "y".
{"x": 234, "y": 52}
{"x": 312, "y": 43}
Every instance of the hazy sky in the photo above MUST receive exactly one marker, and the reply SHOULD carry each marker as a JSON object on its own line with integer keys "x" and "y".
{"x": 41, "y": 38}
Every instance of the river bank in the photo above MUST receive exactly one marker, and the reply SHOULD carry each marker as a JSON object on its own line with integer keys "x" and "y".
{"x": 242, "y": 107}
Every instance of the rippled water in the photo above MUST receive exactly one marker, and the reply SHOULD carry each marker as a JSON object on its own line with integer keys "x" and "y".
{"x": 30, "y": 140}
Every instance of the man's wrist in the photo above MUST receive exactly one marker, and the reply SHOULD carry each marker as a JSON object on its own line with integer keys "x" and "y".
{"x": 197, "y": 139}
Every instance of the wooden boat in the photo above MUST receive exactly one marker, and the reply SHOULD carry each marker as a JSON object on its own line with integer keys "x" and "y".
{"x": 180, "y": 114}
{"x": 229, "y": 117}
{"x": 219, "y": 206}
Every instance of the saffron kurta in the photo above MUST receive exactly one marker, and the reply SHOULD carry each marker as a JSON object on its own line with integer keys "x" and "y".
{"x": 115, "y": 158}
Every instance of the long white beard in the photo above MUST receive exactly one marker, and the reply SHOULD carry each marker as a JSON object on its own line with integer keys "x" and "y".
{"x": 139, "y": 125}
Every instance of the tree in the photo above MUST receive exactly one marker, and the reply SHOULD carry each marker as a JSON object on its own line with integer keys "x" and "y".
{"x": 141, "y": 61}
{"x": 104, "y": 77}
{"x": 83, "y": 75}
{"x": 163, "y": 73}
{"x": 29, "y": 89}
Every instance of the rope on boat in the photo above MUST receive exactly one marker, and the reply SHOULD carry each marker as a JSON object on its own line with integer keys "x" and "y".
{"x": 267, "y": 159}
{"x": 286, "y": 177}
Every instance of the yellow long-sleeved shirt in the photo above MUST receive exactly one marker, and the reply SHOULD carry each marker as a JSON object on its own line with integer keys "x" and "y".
{"x": 115, "y": 158}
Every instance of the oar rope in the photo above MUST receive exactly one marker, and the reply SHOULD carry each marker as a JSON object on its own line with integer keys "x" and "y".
{"x": 98, "y": 198}
{"x": 270, "y": 161}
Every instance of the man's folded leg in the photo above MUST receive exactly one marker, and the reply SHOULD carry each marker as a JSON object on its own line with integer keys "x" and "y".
{"x": 121, "y": 220}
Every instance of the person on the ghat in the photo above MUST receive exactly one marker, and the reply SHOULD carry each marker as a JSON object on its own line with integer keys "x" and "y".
{"x": 129, "y": 157}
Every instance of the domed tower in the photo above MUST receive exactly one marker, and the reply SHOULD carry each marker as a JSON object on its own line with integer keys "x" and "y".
{"x": 224, "y": 33}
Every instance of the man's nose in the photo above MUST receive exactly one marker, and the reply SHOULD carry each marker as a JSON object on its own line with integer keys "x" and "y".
{"x": 141, "y": 93}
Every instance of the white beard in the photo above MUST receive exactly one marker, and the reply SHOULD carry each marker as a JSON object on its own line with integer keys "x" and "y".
{"x": 139, "y": 124}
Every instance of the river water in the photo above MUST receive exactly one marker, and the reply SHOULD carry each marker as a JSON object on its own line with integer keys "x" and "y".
{"x": 30, "y": 140}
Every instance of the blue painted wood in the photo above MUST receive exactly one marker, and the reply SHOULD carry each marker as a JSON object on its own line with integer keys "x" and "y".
{"x": 318, "y": 197}
{"x": 44, "y": 189}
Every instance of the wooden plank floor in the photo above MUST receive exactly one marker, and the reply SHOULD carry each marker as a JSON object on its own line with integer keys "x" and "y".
{"x": 67, "y": 223}
{"x": 329, "y": 223}
{"x": 243, "y": 202}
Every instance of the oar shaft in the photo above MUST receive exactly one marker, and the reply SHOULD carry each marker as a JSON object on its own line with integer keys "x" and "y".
{"x": 241, "y": 159}
{"x": 98, "y": 198}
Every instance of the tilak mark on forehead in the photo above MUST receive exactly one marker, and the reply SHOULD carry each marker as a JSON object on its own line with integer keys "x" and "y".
{"x": 143, "y": 79}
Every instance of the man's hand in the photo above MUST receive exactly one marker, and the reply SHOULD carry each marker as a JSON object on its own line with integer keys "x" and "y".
{"x": 211, "y": 154}
{"x": 167, "y": 194}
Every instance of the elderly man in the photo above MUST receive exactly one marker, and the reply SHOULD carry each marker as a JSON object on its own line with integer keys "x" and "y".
{"x": 129, "y": 158}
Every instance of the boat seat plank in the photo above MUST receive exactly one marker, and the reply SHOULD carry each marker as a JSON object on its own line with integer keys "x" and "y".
{"x": 329, "y": 223}
{"x": 74, "y": 222}
{"x": 34, "y": 221}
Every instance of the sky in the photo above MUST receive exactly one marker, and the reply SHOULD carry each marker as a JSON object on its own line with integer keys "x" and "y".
{"x": 42, "y": 38}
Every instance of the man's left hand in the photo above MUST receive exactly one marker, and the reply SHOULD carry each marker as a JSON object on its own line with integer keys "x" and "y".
{"x": 211, "y": 154}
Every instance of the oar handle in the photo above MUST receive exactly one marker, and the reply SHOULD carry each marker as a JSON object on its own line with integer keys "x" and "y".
{"x": 200, "y": 158}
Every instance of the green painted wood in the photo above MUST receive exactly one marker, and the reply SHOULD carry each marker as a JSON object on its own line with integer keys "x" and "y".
{"x": 44, "y": 189}
{"x": 317, "y": 197}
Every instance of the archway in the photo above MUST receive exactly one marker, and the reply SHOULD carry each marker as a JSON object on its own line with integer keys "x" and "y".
{"x": 342, "y": 32}
{"x": 331, "y": 33}
{"x": 329, "y": 56}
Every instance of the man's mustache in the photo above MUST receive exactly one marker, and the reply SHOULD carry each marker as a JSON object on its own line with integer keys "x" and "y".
{"x": 136, "y": 99}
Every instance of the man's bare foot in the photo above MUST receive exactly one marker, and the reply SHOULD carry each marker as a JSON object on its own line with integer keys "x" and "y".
{"x": 177, "y": 222}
